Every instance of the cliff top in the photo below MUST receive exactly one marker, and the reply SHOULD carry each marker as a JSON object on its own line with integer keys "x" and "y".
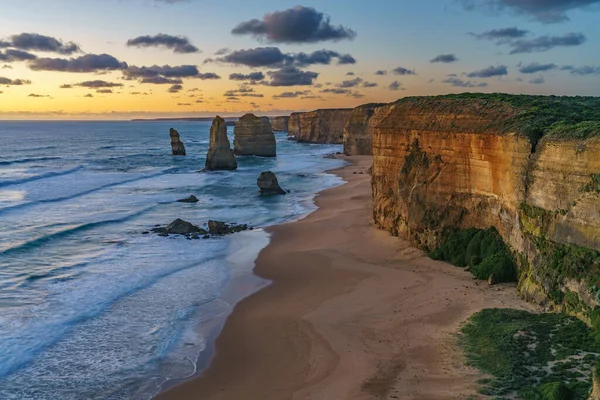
{"x": 565, "y": 117}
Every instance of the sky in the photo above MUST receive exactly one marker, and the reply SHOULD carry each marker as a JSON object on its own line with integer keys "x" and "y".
{"x": 123, "y": 59}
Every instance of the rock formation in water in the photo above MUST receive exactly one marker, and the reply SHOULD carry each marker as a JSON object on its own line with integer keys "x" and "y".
{"x": 479, "y": 161}
{"x": 253, "y": 136}
{"x": 191, "y": 199}
{"x": 358, "y": 132}
{"x": 177, "y": 146}
{"x": 268, "y": 184}
{"x": 219, "y": 156}
{"x": 222, "y": 228}
{"x": 320, "y": 126}
{"x": 280, "y": 124}
{"x": 180, "y": 227}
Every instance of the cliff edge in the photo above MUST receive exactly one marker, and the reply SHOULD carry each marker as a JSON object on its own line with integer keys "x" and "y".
{"x": 320, "y": 126}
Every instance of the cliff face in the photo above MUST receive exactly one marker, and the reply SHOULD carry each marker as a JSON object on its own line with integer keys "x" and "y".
{"x": 320, "y": 126}
{"x": 280, "y": 123}
{"x": 441, "y": 164}
{"x": 358, "y": 132}
{"x": 254, "y": 137}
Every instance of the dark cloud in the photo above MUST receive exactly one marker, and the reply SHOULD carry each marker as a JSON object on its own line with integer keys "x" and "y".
{"x": 13, "y": 82}
{"x": 11, "y": 55}
{"x": 444, "y": 58}
{"x": 253, "y": 76}
{"x": 161, "y": 80}
{"x": 357, "y": 95}
{"x": 546, "y": 11}
{"x": 545, "y": 43}
{"x": 85, "y": 63}
{"x": 184, "y": 104}
{"x": 381, "y": 72}
{"x": 295, "y": 25}
{"x": 291, "y": 76}
{"x": 222, "y": 51}
{"x": 395, "y": 86}
{"x": 179, "y": 44}
{"x": 257, "y": 57}
{"x": 350, "y": 73}
{"x": 350, "y": 83}
{"x": 38, "y": 95}
{"x": 181, "y": 71}
{"x": 89, "y": 95}
{"x": 105, "y": 91}
{"x": 489, "y": 72}
{"x": 536, "y": 67}
{"x": 369, "y": 84}
{"x": 37, "y": 42}
{"x": 502, "y": 35}
{"x": 291, "y": 95}
{"x": 199, "y": 101}
{"x": 320, "y": 57}
{"x": 460, "y": 83}
{"x": 584, "y": 70}
{"x": 537, "y": 81}
{"x": 208, "y": 76}
{"x": 337, "y": 91}
{"x": 403, "y": 71}
{"x": 98, "y": 84}
{"x": 66, "y": 86}
{"x": 175, "y": 88}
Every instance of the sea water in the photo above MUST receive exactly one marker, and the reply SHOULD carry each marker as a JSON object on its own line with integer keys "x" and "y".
{"x": 92, "y": 308}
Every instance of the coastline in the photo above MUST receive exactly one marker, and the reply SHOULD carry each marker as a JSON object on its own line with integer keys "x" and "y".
{"x": 351, "y": 312}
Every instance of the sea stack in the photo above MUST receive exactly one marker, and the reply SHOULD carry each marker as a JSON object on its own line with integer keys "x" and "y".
{"x": 280, "y": 124}
{"x": 176, "y": 144}
{"x": 253, "y": 136}
{"x": 220, "y": 155}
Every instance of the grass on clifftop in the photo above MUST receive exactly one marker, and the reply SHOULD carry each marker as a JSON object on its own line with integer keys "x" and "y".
{"x": 483, "y": 251}
{"x": 535, "y": 356}
{"x": 566, "y": 117}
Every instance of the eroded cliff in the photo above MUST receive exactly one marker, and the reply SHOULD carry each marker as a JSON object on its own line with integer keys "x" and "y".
{"x": 479, "y": 161}
{"x": 280, "y": 124}
{"x": 358, "y": 132}
{"x": 253, "y": 136}
{"x": 320, "y": 126}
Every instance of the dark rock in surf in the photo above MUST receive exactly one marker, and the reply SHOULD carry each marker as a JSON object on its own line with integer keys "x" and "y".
{"x": 177, "y": 146}
{"x": 219, "y": 156}
{"x": 268, "y": 184}
{"x": 222, "y": 228}
{"x": 191, "y": 199}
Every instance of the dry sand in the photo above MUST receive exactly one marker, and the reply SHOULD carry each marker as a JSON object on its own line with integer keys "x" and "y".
{"x": 352, "y": 313}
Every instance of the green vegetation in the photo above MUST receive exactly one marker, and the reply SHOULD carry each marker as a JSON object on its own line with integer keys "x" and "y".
{"x": 594, "y": 184}
{"x": 536, "y": 116}
{"x": 483, "y": 251}
{"x": 536, "y": 356}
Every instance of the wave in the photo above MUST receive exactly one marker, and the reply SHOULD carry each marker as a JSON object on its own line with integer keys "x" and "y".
{"x": 38, "y": 177}
{"x": 28, "y": 160}
{"x": 71, "y": 231}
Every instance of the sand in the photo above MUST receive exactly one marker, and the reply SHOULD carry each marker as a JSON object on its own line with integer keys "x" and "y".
{"x": 352, "y": 313}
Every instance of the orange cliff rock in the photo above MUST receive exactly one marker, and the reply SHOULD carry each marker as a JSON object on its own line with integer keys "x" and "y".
{"x": 320, "y": 126}
{"x": 280, "y": 124}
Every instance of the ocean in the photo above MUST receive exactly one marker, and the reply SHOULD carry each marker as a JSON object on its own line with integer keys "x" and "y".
{"x": 92, "y": 308}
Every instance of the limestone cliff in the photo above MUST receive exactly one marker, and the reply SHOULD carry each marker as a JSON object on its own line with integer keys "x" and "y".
{"x": 177, "y": 147}
{"x": 220, "y": 155}
{"x": 253, "y": 136}
{"x": 320, "y": 126}
{"x": 358, "y": 132}
{"x": 457, "y": 162}
{"x": 280, "y": 124}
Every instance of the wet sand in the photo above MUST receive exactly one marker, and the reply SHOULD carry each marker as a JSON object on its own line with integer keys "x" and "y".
{"x": 352, "y": 313}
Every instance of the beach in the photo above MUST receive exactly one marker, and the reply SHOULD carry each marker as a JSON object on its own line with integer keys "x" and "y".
{"x": 352, "y": 313}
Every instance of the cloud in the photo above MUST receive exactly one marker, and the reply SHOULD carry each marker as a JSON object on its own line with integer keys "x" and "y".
{"x": 320, "y": 57}
{"x": 66, "y": 86}
{"x": 337, "y": 91}
{"x": 403, "y": 71}
{"x": 444, "y": 58}
{"x": 369, "y": 84}
{"x": 184, "y": 104}
{"x": 381, "y": 72}
{"x": 291, "y": 95}
{"x": 350, "y": 83}
{"x": 179, "y": 44}
{"x": 257, "y": 57}
{"x": 501, "y": 35}
{"x": 38, "y": 95}
{"x": 295, "y": 25}
{"x": 253, "y": 76}
{"x": 37, "y": 42}
{"x": 546, "y": 11}
{"x": 489, "y": 72}
{"x": 175, "y": 88}
{"x": 161, "y": 80}
{"x": 89, "y": 95}
{"x": 105, "y": 91}
{"x": 222, "y": 51}
{"x": 395, "y": 86}
{"x": 291, "y": 76}
{"x": 460, "y": 83}
{"x": 536, "y": 67}
{"x": 97, "y": 84}
{"x": 537, "y": 81}
{"x": 546, "y": 42}
{"x": 85, "y": 63}
{"x": 584, "y": 70}
{"x": 155, "y": 72}
{"x": 11, "y": 55}
{"x": 13, "y": 82}
{"x": 208, "y": 76}
{"x": 350, "y": 73}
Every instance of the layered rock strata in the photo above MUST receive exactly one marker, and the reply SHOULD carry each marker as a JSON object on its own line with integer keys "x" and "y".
{"x": 253, "y": 136}
{"x": 219, "y": 156}
{"x": 177, "y": 147}
{"x": 358, "y": 132}
{"x": 320, "y": 126}
{"x": 280, "y": 124}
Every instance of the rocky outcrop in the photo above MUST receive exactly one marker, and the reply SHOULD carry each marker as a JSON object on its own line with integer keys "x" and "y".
{"x": 180, "y": 227}
{"x": 358, "y": 132}
{"x": 253, "y": 136}
{"x": 268, "y": 184}
{"x": 177, "y": 146}
{"x": 191, "y": 199}
{"x": 222, "y": 228}
{"x": 474, "y": 161}
{"x": 320, "y": 126}
{"x": 280, "y": 124}
{"x": 219, "y": 156}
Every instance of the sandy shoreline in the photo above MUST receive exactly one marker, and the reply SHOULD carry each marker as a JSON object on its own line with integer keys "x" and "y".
{"x": 352, "y": 313}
